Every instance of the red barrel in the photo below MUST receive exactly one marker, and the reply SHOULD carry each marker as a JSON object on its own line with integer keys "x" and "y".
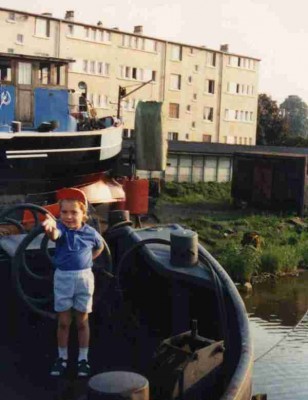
{"x": 137, "y": 196}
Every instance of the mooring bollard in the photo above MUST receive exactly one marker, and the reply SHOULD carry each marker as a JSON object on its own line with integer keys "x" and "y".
{"x": 184, "y": 248}
{"x": 117, "y": 216}
{"x": 117, "y": 385}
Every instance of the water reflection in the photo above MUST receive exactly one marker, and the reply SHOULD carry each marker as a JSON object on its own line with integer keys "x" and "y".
{"x": 279, "y": 325}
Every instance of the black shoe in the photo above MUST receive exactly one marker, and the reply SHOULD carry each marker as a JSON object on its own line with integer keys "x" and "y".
{"x": 83, "y": 368}
{"x": 59, "y": 367}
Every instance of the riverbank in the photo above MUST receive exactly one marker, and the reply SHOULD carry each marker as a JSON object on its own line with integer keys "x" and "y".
{"x": 250, "y": 244}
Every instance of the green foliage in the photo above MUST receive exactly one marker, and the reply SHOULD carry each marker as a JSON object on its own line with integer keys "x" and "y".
{"x": 186, "y": 192}
{"x": 270, "y": 126}
{"x": 240, "y": 262}
{"x": 304, "y": 256}
{"x": 278, "y": 259}
{"x": 295, "y": 114}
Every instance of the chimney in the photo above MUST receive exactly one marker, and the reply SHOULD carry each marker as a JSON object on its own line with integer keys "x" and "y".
{"x": 47, "y": 14}
{"x": 116, "y": 28}
{"x": 69, "y": 15}
{"x": 99, "y": 23}
{"x": 138, "y": 29}
{"x": 224, "y": 47}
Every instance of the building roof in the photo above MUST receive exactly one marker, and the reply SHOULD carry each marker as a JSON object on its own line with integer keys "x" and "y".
{"x": 204, "y": 48}
{"x": 230, "y": 149}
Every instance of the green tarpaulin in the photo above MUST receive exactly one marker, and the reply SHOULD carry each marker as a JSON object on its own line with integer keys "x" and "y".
{"x": 151, "y": 146}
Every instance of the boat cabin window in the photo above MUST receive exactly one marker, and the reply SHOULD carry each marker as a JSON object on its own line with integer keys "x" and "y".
{"x": 5, "y": 70}
{"x": 44, "y": 73}
{"x": 24, "y": 73}
{"x": 60, "y": 75}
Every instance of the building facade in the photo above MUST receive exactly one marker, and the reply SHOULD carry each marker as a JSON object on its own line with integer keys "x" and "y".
{"x": 208, "y": 95}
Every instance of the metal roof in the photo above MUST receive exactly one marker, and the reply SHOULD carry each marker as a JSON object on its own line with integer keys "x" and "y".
{"x": 38, "y": 58}
{"x": 202, "y": 148}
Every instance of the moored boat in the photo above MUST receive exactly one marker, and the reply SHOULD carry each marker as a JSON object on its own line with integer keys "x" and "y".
{"x": 43, "y": 145}
{"x": 165, "y": 309}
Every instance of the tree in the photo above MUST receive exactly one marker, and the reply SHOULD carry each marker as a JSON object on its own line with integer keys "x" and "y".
{"x": 295, "y": 115}
{"x": 270, "y": 124}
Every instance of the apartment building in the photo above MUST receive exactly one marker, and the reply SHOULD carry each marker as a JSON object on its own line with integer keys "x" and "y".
{"x": 208, "y": 95}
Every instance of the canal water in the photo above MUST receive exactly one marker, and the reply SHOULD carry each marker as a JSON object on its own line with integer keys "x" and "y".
{"x": 279, "y": 325}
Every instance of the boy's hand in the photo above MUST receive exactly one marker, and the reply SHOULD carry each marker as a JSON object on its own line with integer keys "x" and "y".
{"x": 50, "y": 227}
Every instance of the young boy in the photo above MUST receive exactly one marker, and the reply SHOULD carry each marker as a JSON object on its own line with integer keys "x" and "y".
{"x": 77, "y": 245}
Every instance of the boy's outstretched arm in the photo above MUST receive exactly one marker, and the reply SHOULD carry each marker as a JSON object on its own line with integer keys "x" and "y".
{"x": 97, "y": 252}
{"x": 50, "y": 227}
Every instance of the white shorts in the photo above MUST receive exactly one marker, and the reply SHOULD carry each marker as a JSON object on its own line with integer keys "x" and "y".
{"x": 74, "y": 289}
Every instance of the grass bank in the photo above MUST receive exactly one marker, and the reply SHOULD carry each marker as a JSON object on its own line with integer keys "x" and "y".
{"x": 249, "y": 244}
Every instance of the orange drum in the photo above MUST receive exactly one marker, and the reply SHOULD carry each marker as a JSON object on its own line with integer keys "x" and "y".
{"x": 137, "y": 196}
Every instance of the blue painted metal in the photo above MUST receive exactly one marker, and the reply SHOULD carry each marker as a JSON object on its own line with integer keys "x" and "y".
{"x": 7, "y": 104}
{"x": 51, "y": 105}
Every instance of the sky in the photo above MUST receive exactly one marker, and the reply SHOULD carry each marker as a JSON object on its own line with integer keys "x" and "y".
{"x": 272, "y": 30}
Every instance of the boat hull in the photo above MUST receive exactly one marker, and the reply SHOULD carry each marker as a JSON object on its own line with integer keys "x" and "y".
{"x": 36, "y": 161}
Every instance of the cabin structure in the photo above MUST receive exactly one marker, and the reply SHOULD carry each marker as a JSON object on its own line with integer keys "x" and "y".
{"x": 33, "y": 90}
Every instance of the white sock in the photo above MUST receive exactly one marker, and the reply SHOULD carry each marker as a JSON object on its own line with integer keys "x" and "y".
{"x": 83, "y": 353}
{"x": 63, "y": 353}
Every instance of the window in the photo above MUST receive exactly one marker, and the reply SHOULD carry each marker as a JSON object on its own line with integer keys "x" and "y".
{"x": 176, "y": 53}
{"x": 125, "y": 133}
{"x": 208, "y": 113}
{"x": 173, "y": 136}
{"x": 187, "y": 136}
{"x": 11, "y": 16}
{"x": 20, "y": 38}
{"x": 210, "y": 59}
{"x": 103, "y": 68}
{"x": 174, "y": 110}
{"x": 175, "y": 82}
{"x": 195, "y": 96}
{"x": 206, "y": 138}
{"x": 233, "y": 61}
{"x": 191, "y": 51}
{"x": 101, "y": 101}
{"x": 250, "y": 141}
{"x": 85, "y": 66}
{"x": 93, "y": 34}
{"x": 24, "y": 73}
{"x": 189, "y": 79}
{"x": 154, "y": 76}
{"x": 136, "y": 73}
{"x": 105, "y": 36}
{"x": 150, "y": 45}
{"x": 196, "y": 68}
{"x": 60, "y": 75}
{"x": 44, "y": 74}
{"x": 5, "y": 70}
{"x": 210, "y": 86}
{"x": 86, "y": 33}
{"x": 92, "y": 67}
{"x": 70, "y": 30}
{"x": 42, "y": 27}
{"x": 188, "y": 108}
{"x": 193, "y": 124}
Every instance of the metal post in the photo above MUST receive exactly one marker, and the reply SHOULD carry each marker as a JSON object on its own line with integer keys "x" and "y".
{"x": 119, "y": 102}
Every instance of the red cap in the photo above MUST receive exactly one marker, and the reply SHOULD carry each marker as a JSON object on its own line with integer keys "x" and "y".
{"x": 72, "y": 194}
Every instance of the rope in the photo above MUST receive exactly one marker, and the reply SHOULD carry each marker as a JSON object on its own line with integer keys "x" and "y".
{"x": 283, "y": 338}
